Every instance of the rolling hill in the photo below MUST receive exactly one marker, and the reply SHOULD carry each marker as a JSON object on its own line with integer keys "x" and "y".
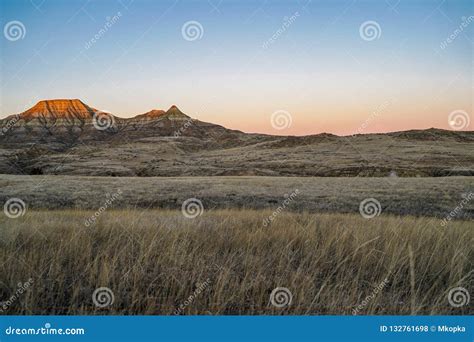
{"x": 68, "y": 137}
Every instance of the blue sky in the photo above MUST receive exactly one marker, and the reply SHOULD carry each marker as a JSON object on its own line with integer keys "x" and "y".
{"x": 318, "y": 68}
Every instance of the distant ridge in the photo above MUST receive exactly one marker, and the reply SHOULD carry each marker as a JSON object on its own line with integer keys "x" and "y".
{"x": 152, "y": 114}
{"x": 69, "y": 137}
{"x": 61, "y": 123}
{"x": 62, "y": 111}
{"x": 172, "y": 112}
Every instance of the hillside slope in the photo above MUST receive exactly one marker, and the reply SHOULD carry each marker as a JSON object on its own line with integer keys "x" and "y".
{"x": 71, "y": 138}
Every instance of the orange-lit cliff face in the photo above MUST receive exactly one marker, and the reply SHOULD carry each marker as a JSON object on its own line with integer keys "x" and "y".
{"x": 57, "y": 109}
{"x": 75, "y": 108}
{"x": 152, "y": 114}
{"x": 157, "y": 113}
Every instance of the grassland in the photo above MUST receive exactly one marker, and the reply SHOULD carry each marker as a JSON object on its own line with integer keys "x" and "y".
{"x": 155, "y": 260}
{"x": 434, "y": 197}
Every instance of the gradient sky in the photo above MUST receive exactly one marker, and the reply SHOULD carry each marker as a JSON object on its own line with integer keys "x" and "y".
{"x": 319, "y": 69}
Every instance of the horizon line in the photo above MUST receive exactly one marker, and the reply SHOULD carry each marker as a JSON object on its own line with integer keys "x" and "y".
{"x": 245, "y": 132}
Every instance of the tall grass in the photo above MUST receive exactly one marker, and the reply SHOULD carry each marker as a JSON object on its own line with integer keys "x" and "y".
{"x": 154, "y": 261}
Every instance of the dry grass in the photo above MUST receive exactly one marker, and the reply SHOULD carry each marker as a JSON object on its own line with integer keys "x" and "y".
{"x": 153, "y": 261}
{"x": 397, "y": 196}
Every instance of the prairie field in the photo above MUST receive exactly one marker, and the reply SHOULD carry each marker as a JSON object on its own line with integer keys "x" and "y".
{"x": 230, "y": 261}
{"x": 416, "y": 196}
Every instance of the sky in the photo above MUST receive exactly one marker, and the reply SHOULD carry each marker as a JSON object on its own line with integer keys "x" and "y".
{"x": 277, "y": 67}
